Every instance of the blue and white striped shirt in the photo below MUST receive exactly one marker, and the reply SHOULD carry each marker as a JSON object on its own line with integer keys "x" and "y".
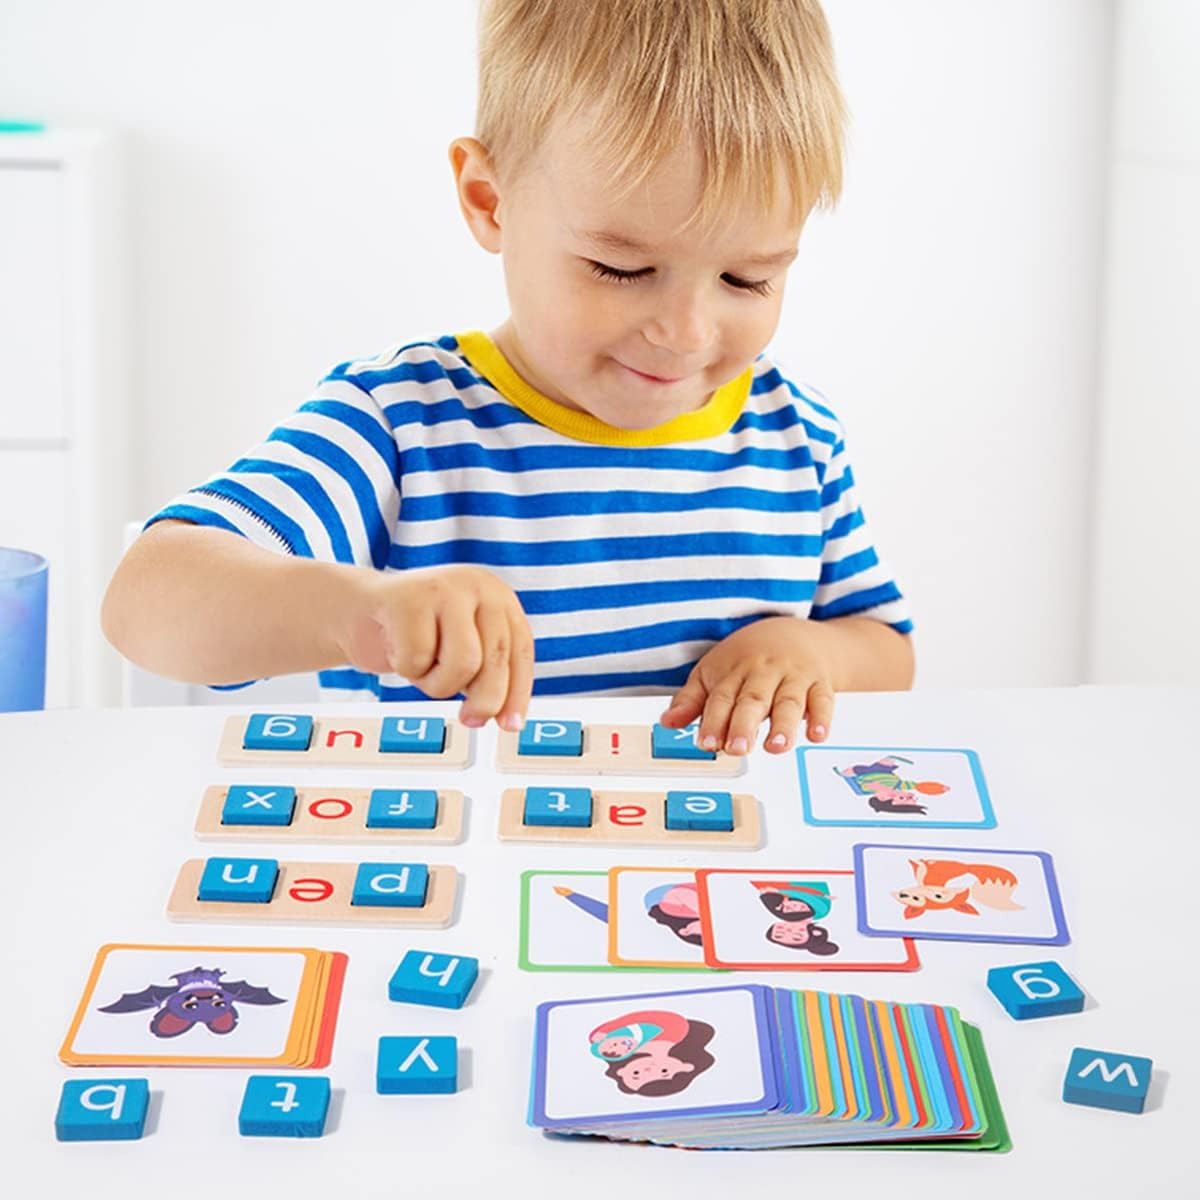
{"x": 632, "y": 551}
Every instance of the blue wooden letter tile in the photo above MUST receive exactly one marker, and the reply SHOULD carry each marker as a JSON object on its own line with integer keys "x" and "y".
{"x": 258, "y": 805}
{"x": 551, "y": 738}
{"x": 277, "y": 731}
{"x": 102, "y": 1110}
{"x": 439, "y": 979}
{"x": 1102, "y": 1079}
{"x": 707, "y": 811}
{"x": 412, "y": 808}
{"x": 417, "y": 1064}
{"x": 558, "y": 806}
{"x": 412, "y": 735}
{"x": 677, "y": 743}
{"x": 284, "y": 1106}
{"x": 1035, "y": 990}
{"x": 391, "y": 885}
{"x": 245, "y": 880}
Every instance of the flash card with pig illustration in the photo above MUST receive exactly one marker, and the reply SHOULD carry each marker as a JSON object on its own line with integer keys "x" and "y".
{"x": 959, "y": 893}
{"x": 893, "y": 785}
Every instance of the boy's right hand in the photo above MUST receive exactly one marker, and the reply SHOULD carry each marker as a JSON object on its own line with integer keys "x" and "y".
{"x": 446, "y": 630}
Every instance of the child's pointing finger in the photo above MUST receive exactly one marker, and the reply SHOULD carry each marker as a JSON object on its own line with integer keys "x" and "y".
{"x": 820, "y": 711}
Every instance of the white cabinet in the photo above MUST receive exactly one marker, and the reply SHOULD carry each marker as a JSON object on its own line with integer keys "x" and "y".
{"x": 64, "y": 424}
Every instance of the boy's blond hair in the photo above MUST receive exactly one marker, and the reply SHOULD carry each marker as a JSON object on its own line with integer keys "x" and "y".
{"x": 751, "y": 82}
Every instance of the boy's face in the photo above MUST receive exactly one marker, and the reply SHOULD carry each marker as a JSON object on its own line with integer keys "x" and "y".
{"x": 694, "y": 308}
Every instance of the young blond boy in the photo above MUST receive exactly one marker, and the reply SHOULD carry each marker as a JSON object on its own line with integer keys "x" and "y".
{"x": 617, "y": 476}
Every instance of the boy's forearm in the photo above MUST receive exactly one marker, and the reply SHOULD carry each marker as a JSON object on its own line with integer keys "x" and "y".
{"x": 868, "y": 655}
{"x": 206, "y": 606}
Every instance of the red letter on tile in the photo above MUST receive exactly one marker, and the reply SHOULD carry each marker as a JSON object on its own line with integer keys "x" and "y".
{"x": 626, "y": 814}
{"x": 342, "y": 808}
{"x": 334, "y": 734}
{"x": 311, "y": 890}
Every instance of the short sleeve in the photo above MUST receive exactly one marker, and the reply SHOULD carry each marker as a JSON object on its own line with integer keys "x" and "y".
{"x": 854, "y": 582}
{"x": 323, "y": 485}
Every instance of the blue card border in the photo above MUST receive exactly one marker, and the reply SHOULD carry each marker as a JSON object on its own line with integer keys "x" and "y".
{"x": 985, "y": 799}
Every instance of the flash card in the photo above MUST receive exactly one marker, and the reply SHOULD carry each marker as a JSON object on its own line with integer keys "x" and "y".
{"x": 564, "y": 921}
{"x": 654, "y": 918}
{"x": 958, "y": 893}
{"x": 798, "y": 920}
{"x": 189, "y": 1005}
{"x": 893, "y": 785}
{"x": 684, "y": 1054}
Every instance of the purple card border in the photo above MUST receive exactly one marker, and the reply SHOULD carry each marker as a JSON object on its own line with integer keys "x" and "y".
{"x": 770, "y": 1099}
{"x": 1061, "y": 938}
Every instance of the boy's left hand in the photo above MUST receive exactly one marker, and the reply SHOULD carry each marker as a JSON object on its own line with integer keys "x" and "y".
{"x": 778, "y": 667}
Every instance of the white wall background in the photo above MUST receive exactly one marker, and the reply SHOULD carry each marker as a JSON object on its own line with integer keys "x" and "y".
{"x": 291, "y": 206}
{"x": 1146, "y": 571}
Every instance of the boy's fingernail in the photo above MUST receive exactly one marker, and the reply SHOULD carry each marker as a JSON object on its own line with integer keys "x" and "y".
{"x": 709, "y": 743}
{"x": 780, "y": 739}
{"x": 473, "y": 722}
{"x": 738, "y": 745}
{"x": 818, "y": 731}
{"x": 512, "y": 722}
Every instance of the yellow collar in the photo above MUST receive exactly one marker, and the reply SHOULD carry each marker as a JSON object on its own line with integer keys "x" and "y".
{"x": 713, "y": 419}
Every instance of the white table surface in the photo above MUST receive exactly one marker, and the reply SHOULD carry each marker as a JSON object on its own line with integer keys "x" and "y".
{"x": 98, "y": 808}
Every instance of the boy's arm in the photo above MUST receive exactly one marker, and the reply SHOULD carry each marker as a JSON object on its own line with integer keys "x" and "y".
{"x": 868, "y": 655}
{"x": 204, "y": 605}
{"x": 787, "y": 669}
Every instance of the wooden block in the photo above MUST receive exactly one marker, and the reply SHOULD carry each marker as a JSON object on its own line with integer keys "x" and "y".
{"x": 442, "y": 980}
{"x": 570, "y": 806}
{"x": 348, "y": 742}
{"x": 260, "y": 805}
{"x": 1035, "y": 990}
{"x": 102, "y": 1110}
{"x": 402, "y": 808}
{"x": 416, "y": 1065}
{"x": 284, "y": 1106}
{"x": 553, "y": 739}
{"x": 413, "y": 735}
{"x": 329, "y": 814}
{"x": 319, "y": 893}
{"x": 611, "y": 750}
{"x": 710, "y": 811}
{"x": 1105, "y": 1079}
{"x": 238, "y": 880}
{"x": 631, "y": 819}
{"x": 390, "y": 885}
{"x": 277, "y": 731}
{"x": 678, "y": 743}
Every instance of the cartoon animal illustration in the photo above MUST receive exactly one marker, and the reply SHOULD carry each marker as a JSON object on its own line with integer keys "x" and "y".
{"x": 652, "y": 1052}
{"x": 677, "y": 906}
{"x": 947, "y": 884}
{"x": 798, "y": 904}
{"x": 886, "y": 791}
{"x": 197, "y": 997}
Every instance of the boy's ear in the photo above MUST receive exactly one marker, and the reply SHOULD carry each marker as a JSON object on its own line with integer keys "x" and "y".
{"x": 478, "y": 190}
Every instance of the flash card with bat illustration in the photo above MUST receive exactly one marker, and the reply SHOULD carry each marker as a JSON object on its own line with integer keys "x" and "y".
{"x": 205, "y": 1006}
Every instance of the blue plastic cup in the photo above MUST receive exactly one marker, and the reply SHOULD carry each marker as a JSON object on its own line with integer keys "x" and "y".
{"x": 23, "y": 579}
